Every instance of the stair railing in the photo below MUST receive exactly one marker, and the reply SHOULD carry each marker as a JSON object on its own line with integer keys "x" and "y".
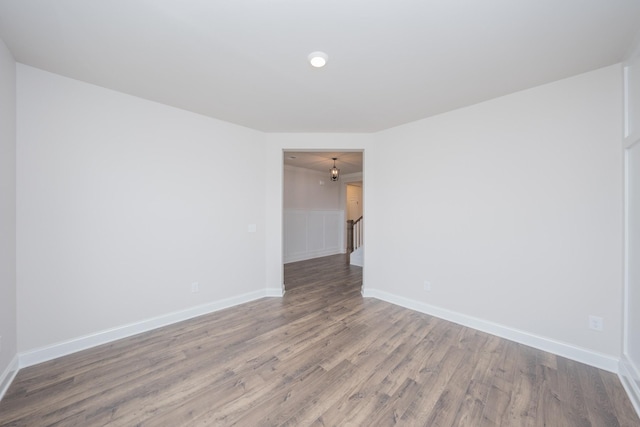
{"x": 354, "y": 234}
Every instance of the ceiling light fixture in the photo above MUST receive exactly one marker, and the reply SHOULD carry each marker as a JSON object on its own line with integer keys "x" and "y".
{"x": 334, "y": 171}
{"x": 318, "y": 59}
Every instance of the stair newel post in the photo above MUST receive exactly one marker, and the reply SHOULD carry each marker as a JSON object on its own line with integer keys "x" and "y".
{"x": 349, "y": 239}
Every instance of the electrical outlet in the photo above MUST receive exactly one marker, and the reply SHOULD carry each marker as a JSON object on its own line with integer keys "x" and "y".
{"x": 427, "y": 285}
{"x": 596, "y": 323}
{"x": 195, "y": 287}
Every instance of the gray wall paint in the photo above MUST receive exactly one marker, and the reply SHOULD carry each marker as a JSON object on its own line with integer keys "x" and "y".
{"x": 515, "y": 208}
{"x": 8, "y": 325}
{"x": 123, "y": 203}
{"x": 631, "y": 351}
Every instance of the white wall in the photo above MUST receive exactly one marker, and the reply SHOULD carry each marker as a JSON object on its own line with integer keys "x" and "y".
{"x": 630, "y": 364}
{"x": 354, "y": 201}
{"x": 512, "y": 210}
{"x": 311, "y": 234}
{"x": 122, "y": 204}
{"x": 309, "y": 190}
{"x": 313, "y": 221}
{"x": 8, "y": 322}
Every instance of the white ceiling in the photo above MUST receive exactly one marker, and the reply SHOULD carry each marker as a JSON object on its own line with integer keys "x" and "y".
{"x": 390, "y": 61}
{"x": 347, "y": 162}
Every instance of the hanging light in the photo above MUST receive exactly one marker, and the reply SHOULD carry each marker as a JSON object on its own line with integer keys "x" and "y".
{"x": 334, "y": 171}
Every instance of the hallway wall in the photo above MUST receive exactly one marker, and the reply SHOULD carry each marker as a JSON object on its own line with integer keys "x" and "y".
{"x": 312, "y": 219}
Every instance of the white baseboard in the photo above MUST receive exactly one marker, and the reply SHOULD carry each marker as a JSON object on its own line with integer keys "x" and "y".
{"x": 589, "y": 357}
{"x": 39, "y": 355}
{"x": 8, "y": 375}
{"x": 274, "y": 292}
{"x": 311, "y": 255}
{"x": 630, "y": 379}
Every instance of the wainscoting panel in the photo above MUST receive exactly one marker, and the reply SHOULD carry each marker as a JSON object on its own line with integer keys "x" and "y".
{"x": 312, "y": 233}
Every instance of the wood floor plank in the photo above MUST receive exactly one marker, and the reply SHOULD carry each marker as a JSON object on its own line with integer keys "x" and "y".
{"x": 334, "y": 408}
{"x": 623, "y": 407}
{"x": 434, "y": 374}
{"x": 591, "y": 384}
{"x": 520, "y": 410}
{"x": 472, "y": 406}
{"x": 572, "y": 395}
{"x": 322, "y": 355}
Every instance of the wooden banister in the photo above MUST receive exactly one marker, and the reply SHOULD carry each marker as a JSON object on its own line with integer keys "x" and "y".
{"x": 354, "y": 235}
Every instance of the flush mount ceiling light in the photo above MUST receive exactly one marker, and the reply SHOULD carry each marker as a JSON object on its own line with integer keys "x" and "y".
{"x": 318, "y": 59}
{"x": 334, "y": 171}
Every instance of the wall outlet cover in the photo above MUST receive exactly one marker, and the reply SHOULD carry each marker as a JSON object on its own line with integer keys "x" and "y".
{"x": 596, "y": 323}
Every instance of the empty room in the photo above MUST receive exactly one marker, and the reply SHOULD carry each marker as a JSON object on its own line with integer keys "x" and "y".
{"x": 327, "y": 213}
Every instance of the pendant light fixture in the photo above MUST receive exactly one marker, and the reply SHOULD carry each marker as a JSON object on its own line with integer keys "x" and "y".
{"x": 334, "y": 171}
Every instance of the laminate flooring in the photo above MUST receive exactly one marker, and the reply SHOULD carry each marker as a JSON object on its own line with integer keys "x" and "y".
{"x": 320, "y": 356}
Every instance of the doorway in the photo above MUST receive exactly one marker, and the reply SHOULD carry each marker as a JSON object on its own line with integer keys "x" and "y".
{"x": 316, "y": 208}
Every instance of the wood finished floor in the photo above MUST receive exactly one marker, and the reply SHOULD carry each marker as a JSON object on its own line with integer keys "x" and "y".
{"x": 320, "y": 356}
